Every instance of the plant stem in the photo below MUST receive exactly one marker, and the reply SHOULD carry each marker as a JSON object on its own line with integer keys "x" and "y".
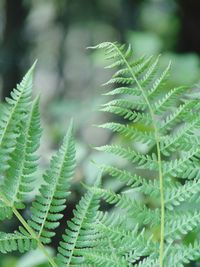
{"x": 29, "y": 230}
{"x": 157, "y": 139}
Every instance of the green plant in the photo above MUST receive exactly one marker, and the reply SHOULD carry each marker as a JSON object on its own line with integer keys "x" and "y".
{"x": 165, "y": 175}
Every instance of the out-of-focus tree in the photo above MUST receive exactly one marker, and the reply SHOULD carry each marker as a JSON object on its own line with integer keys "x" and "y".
{"x": 189, "y": 38}
{"x": 14, "y": 44}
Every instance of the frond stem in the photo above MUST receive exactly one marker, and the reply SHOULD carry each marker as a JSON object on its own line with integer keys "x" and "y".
{"x": 157, "y": 139}
{"x": 29, "y": 230}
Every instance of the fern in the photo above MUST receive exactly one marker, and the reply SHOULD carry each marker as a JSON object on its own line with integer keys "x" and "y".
{"x": 156, "y": 207}
{"x": 172, "y": 150}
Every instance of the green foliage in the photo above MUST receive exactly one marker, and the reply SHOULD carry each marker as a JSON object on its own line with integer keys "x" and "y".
{"x": 151, "y": 215}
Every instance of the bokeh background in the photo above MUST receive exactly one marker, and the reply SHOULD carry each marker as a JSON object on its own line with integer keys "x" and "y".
{"x": 68, "y": 76}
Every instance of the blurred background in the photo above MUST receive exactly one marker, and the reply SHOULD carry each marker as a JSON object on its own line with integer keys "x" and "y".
{"x": 68, "y": 76}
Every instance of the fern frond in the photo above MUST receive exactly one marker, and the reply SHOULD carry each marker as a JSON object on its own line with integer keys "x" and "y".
{"x": 182, "y": 139}
{"x": 16, "y": 242}
{"x": 128, "y": 114}
{"x": 159, "y": 83}
{"x": 178, "y": 115}
{"x": 124, "y": 176}
{"x": 181, "y": 224}
{"x": 124, "y": 103}
{"x": 150, "y": 261}
{"x": 134, "y": 209}
{"x": 124, "y": 91}
{"x": 138, "y": 70}
{"x": 104, "y": 259}
{"x": 181, "y": 255}
{"x": 47, "y": 207}
{"x": 23, "y": 161}
{"x": 164, "y": 109}
{"x": 131, "y": 244}
{"x": 145, "y": 225}
{"x": 168, "y": 99}
{"x": 175, "y": 196}
{"x": 129, "y": 154}
{"x": 78, "y": 236}
{"x": 13, "y": 115}
{"x": 185, "y": 166}
{"x": 130, "y": 132}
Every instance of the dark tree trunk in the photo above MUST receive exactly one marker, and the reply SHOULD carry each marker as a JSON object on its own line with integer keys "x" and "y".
{"x": 189, "y": 37}
{"x": 14, "y": 44}
{"x": 128, "y": 19}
